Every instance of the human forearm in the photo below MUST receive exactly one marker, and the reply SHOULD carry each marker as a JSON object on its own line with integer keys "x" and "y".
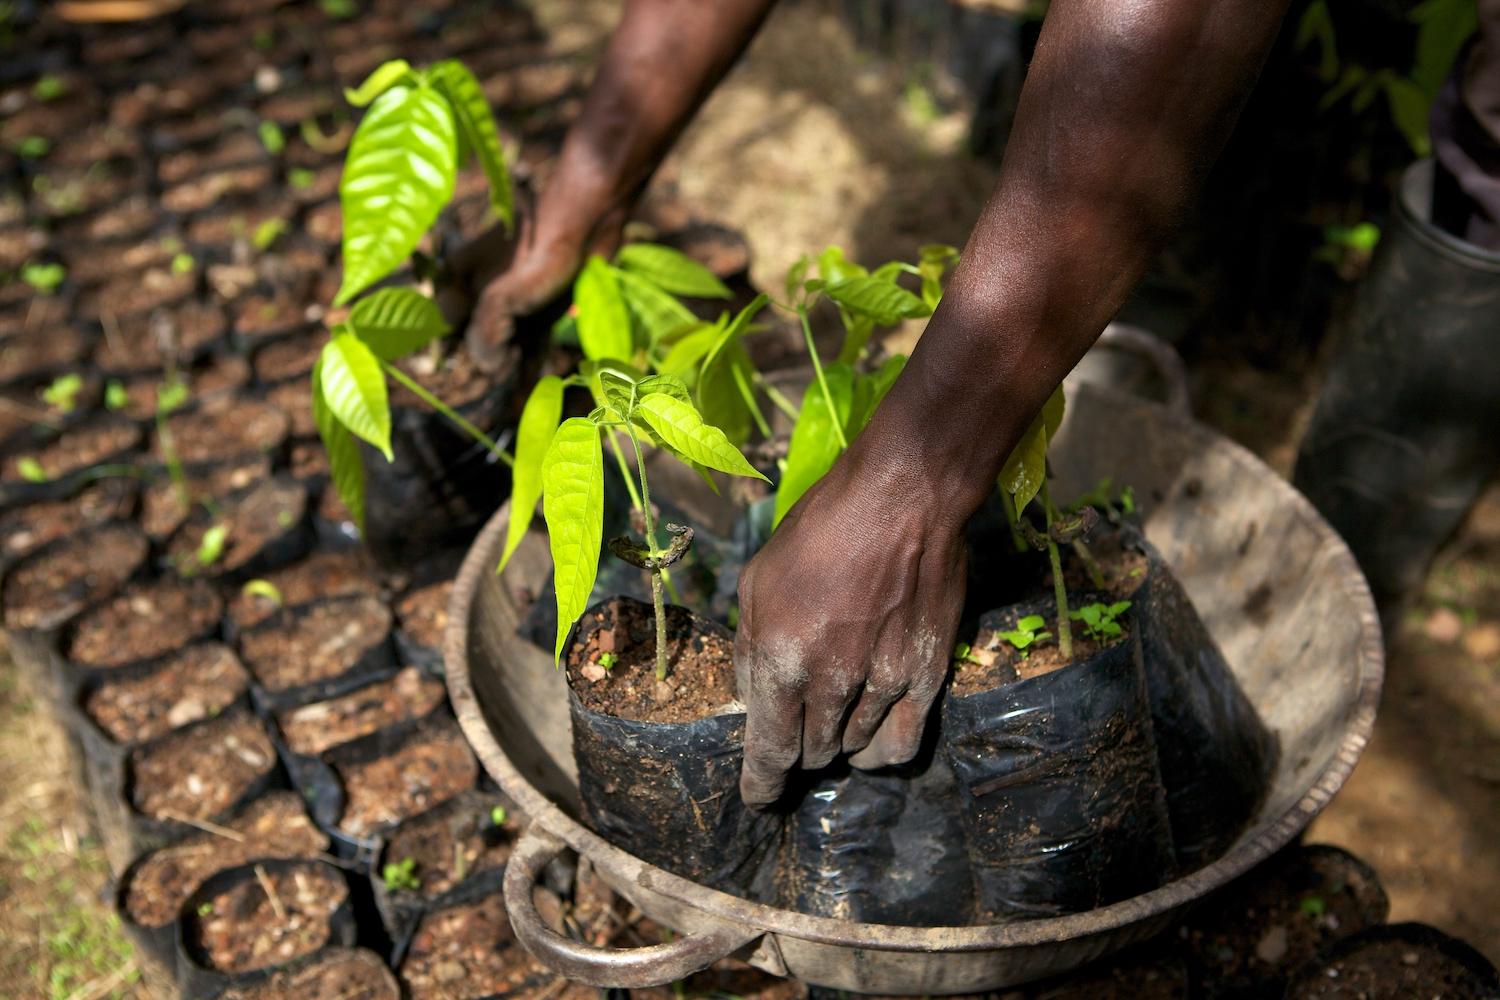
{"x": 1125, "y": 106}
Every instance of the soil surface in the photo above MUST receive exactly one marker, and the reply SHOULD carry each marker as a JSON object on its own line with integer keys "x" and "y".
{"x": 292, "y": 357}
{"x": 199, "y": 772}
{"x": 456, "y": 380}
{"x": 173, "y": 338}
{"x": 223, "y": 428}
{"x": 39, "y": 353}
{"x": 326, "y": 573}
{"x": 275, "y": 916}
{"x": 145, "y": 621}
{"x": 311, "y": 729}
{"x": 700, "y": 670}
{"x": 162, "y": 509}
{"x": 323, "y": 641}
{"x": 337, "y": 974}
{"x": 53, "y": 585}
{"x": 1379, "y": 968}
{"x": 26, "y": 529}
{"x": 423, "y": 613}
{"x": 455, "y": 841}
{"x": 199, "y": 682}
{"x": 276, "y": 825}
{"x": 469, "y": 948}
{"x": 427, "y": 767}
{"x": 96, "y": 441}
{"x": 253, "y": 522}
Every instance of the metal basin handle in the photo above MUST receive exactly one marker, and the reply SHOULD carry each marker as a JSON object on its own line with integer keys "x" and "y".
{"x": 632, "y": 968}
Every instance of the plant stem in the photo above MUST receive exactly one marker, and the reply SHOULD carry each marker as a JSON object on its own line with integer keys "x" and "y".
{"x": 1009, "y": 506}
{"x": 656, "y": 600}
{"x": 1059, "y": 585}
{"x": 776, "y": 397}
{"x": 1096, "y": 575}
{"x": 447, "y": 411}
{"x": 749, "y": 396}
{"x": 635, "y": 500}
{"x": 812, "y": 352}
{"x": 174, "y": 464}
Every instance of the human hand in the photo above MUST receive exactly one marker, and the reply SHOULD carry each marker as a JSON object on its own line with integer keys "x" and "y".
{"x": 847, "y": 620}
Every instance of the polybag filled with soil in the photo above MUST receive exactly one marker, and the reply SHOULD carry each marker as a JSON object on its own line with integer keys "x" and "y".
{"x": 659, "y": 761}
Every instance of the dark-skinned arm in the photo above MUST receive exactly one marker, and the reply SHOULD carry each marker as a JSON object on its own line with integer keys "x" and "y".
{"x": 661, "y": 62}
{"x": 848, "y": 615}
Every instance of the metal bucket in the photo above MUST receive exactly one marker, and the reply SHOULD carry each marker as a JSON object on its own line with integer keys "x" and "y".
{"x": 1275, "y": 585}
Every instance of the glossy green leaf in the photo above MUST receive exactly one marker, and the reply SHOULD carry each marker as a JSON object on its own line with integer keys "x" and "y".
{"x": 211, "y": 545}
{"x": 1025, "y": 468}
{"x": 671, "y": 270}
{"x": 619, "y": 392}
{"x": 398, "y": 176}
{"x": 603, "y": 320}
{"x": 795, "y": 276}
{"x": 573, "y": 504}
{"x": 814, "y": 447}
{"x": 718, "y": 397}
{"x": 384, "y": 77}
{"x": 345, "y": 465}
{"x": 539, "y": 421}
{"x": 669, "y": 385}
{"x": 736, "y": 328}
{"x": 395, "y": 322}
{"x": 834, "y": 267}
{"x": 263, "y": 589}
{"x": 354, "y": 390}
{"x": 885, "y": 302}
{"x": 656, "y": 314}
{"x": 687, "y": 352}
{"x": 933, "y": 264}
{"x": 476, "y": 123}
{"x": 594, "y": 369}
{"x": 681, "y": 427}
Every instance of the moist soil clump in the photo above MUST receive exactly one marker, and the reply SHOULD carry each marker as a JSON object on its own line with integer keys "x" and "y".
{"x": 96, "y": 441}
{"x": 26, "y": 529}
{"x": 225, "y": 427}
{"x": 292, "y": 357}
{"x": 39, "y": 352}
{"x": 162, "y": 507}
{"x": 700, "y": 666}
{"x": 324, "y": 574}
{"x": 320, "y": 642}
{"x": 199, "y": 682}
{"x": 453, "y": 842}
{"x": 312, "y": 729}
{"x": 176, "y": 337}
{"x": 428, "y": 767}
{"x": 145, "y": 621}
{"x": 273, "y": 826}
{"x": 423, "y": 613}
{"x": 468, "y": 950}
{"x": 200, "y": 772}
{"x": 1399, "y": 960}
{"x": 264, "y": 921}
{"x": 253, "y": 521}
{"x": 55, "y": 584}
{"x": 337, "y": 974}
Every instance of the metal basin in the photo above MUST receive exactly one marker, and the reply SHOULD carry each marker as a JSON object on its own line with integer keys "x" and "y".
{"x": 1277, "y": 588}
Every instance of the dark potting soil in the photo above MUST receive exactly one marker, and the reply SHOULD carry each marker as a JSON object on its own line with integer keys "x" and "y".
{"x": 87, "y": 267}
{"x": 1277, "y": 917}
{"x": 223, "y": 374}
{"x": 1398, "y": 961}
{"x": 207, "y": 190}
{"x": 317, "y": 642}
{"x": 423, "y": 613}
{"x": 253, "y": 521}
{"x": 174, "y": 337}
{"x": 56, "y": 583}
{"x": 162, "y": 507}
{"x": 294, "y": 400}
{"x": 95, "y": 441}
{"x": 453, "y": 842}
{"x": 277, "y": 917}
{"x": 336, "y": 974}
{"x": 428, "y": 767}
{"x": 235, "y": 147}
{"x": 196, "y": 683}
{"x": 129, "y": 218}
{"x": 260, "y": 317}
{"x": 312, "y": 729}
{"x": 325, "y": 223}
{"x": 199, "y": 772}
{"x": 292, "y": 357}
{"x": 276, "y": 825}
{"x": 326, "y": 573}
{"x": 467, "y": 950}
{"x": 145, "y": 621}
{"x": 224, "y": 427}
{"x": 26, "y": 529}
{"x": 134, "y": 294}
{"x": 456, "y": 380}
{"x": 700, "y": 670}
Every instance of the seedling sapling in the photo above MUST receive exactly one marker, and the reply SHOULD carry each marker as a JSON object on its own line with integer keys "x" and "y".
{"x": 1101, "y": 621}
{"x": 497, "y": 816}
{"x": 400, "y": 875}
{"x": 607, "y": 661}
{"x": 964, "y": 653}
{"x": 1027, "y": 633}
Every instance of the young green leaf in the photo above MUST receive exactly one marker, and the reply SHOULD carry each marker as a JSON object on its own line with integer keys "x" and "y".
{"x": 671, "y": 270}
{"x": 171, "y": 396}
{"x": 717, "y": 393}
{"x": 934, "y": 262}
{"x": 397, "y": 178}
{"x": 271, "y": 137}
{"x": 395, "y": 322}
{"x": 681, "y": 427}
{"x": 795, "y": 276}
{"x": 354, "y": 390}
{"x": 687, "y": 351}
{"x": 385, "y": 76}
{"x": 539, "y": 420}
{"x": 263, "y": 589}
{"x": 476, "y": 123}
{"x": 883, "y": 301}
{"x": 834, "y": 267}
{"x": 115, "y": 395}
{"x": 573, "y": 505}
{"x": 671, "y": 385}
{"x": 44, "y": 277}
{"x": 346, "y": 467}
{"x": 603, "y": 322}
{"x": 814, "y": 446}
{"x": 735, "y": 329}
{"x": 655, "y": 313}
{"x": 31, "y": 470}
{"x": 62, "y": 394}
{"x": 211, "y": 545}
{"x": 1026, "y": 466}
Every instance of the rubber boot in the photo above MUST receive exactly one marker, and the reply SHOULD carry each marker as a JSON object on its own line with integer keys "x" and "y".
{"x": 1407, "y": 427}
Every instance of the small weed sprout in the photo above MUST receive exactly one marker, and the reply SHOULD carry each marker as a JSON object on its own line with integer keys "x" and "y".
{"x": 264, "y": 589}
{"x": 31, "y": 470}
{"x": 1101, "y": 621}
{"x": 498, "y": 815}
{"x": 400, "y": 876}
{"x": 964, "y": 653}
{"x": 608, "y": 660}
{"x": 211, "y": 546}
{"x": 62, "y": 394}
{"x": 44, "y": 278}
{"x": 115, "y": 395}
{"x": 1027, "y": 633}
{"x": 205, "y": 909}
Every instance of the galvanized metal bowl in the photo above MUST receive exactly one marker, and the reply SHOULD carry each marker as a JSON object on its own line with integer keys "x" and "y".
{"x": 1275, "y": 585}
